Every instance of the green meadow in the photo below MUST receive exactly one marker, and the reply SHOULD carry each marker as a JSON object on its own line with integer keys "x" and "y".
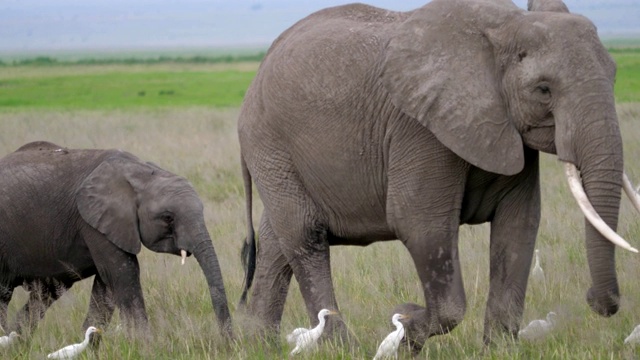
{"x": 116, "y": 87}
{"x": 182, "y": 116}
{"x": 627, "y": 88}
{"x": 113, "y": 84}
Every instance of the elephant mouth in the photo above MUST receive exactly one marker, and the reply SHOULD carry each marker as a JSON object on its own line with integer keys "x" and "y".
{"x": 539, "y": 138}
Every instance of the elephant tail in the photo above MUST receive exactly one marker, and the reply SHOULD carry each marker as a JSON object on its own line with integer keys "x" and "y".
{"x": 248, "y": 252}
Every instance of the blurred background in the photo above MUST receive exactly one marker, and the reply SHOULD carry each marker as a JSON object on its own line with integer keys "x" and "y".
{"x": 35, "y": 26}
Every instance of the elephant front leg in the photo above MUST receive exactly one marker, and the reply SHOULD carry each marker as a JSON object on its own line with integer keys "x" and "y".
{"x": 120, "y": 272}
{"x": 271, "y": 283}
{"x": 101, "y": 307}
{"x": 513, "y": 236}
{"x": 127, "y": 293}
{"x": 437, "y": 261}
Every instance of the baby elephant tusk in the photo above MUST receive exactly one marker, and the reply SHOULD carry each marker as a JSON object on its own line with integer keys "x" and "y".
{"x": 184, "y": 256}
{"x": 630, "y": 191}
{"x": 575, "y": 183}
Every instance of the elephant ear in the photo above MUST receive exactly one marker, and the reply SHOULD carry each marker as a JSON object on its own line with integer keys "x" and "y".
{"x": 107, "y": 201}
{"x": 439, "y": 68}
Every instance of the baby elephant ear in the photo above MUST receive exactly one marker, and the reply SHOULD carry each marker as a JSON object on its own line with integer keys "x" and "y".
{"x": 107, "y": 202}
{"x": 440, "y": 69}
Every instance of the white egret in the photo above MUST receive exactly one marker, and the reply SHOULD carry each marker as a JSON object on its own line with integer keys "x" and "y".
{"x": 7, "y": 340}
{"x": 537, "y": 272}
{"x": 307, "y": 338}
{"x": 389, "y": 346}
{"x": 634, "y": 337}
{"x": 538, "y": 328}
{"x": 71, "y": 351}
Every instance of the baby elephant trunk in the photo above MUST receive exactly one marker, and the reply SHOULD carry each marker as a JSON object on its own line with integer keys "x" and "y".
{"x": 208, "y": 261}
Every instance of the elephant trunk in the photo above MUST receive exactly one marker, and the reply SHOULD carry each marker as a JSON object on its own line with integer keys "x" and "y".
{"x": 603, "y": 296}
{"x": 205, "y": 254}
{"x": 596, "y": 150}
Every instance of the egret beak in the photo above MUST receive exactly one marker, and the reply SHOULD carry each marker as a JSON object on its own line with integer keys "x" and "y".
{"x": 183, "y": 254}
{"x": 333, "y": 313}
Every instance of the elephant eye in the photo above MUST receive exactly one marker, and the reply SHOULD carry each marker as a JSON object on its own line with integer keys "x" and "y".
{"x": 544, "y": 89}
{"x": 522, "y": 55}
{"x": 167, "y": 218}
{"x": 542, "y": 93}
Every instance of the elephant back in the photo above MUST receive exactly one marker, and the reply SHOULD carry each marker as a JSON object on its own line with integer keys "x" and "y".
{"x": 39, "y": 145}
{"x": 326, "y": 57}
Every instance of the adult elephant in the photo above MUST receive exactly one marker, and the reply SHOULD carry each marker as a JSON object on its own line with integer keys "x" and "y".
{"x": 366, "y": 125}
{"x": 69, "y": 214}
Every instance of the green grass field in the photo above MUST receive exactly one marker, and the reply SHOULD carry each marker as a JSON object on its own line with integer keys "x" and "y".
{"x": 169, "y": 84}
{"x": 195, "y": 136}
{"x": 116, "y": 87}
{"x": 627, "y": 88}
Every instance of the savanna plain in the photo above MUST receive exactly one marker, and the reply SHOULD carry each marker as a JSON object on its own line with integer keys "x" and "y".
{"x": 182, "y": 116}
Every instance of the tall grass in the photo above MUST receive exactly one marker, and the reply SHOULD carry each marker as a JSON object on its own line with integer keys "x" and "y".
{"x": 201, "y": 144}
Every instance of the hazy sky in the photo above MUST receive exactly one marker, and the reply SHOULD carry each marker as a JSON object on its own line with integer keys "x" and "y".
{"x": 34, "y": 25}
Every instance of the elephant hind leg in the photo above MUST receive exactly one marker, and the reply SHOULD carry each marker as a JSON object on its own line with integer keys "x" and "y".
{"x": 302, "y": 233}
{"x": 6, "y": 292}
{"x": 271, "y": 283}
{"x": 42, "y": 294}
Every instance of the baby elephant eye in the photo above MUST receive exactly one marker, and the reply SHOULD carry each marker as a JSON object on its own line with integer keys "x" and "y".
{"x": 544, "y": 89}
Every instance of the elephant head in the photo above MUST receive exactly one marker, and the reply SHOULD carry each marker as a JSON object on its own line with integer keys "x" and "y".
{"x": 488, "y": 79}
{"x": 134, "y": 203}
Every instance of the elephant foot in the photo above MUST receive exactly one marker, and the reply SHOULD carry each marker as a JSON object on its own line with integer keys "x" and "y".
{"x": 606, "y": 305}
{"x": 501, "y": 326}
{"x": 94, "y": 341}
{"x": 336, "y": 331}
{"x": 416, "y": 333}
{"x": 424, "y": 323}
{"x": 257, "y": 329}
{"x": 499, "y": 334}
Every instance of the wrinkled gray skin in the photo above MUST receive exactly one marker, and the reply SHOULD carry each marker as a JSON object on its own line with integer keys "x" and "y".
{"x": 69, "y": 214}
{"x": 367, "y": 125}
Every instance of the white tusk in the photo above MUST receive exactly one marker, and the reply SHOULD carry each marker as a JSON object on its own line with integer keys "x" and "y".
{"x": 575, "y": 183}
{"x": 184, "y": 256}
{"x": 630, "y": 191}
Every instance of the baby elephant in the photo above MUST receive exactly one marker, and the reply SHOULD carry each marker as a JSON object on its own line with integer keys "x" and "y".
{"x": 67, "y": 214}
